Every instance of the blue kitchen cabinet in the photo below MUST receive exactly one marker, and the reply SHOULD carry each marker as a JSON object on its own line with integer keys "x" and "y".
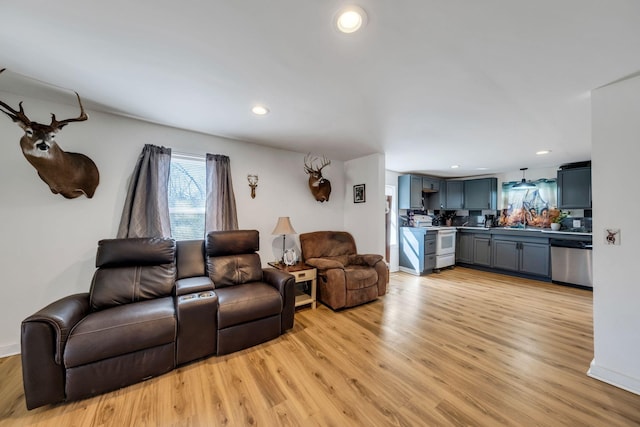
{"x": 481, "y": 193}
{"x": 417, "y": 250}
{"x": 455, "y": 195}
{"x": 574, "y": 188}
{"x": 410, "y": 192}
{"x": 482, "y": 249}
{"x": 437, "y": 200}
{"x": 523, "y": 255}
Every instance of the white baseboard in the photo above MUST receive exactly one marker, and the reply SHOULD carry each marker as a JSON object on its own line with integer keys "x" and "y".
{"x": 614, "y": 378}
{"x": 9, "y": 350}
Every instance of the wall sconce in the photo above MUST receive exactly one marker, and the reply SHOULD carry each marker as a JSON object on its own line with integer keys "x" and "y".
{"x": 253, "y": 183}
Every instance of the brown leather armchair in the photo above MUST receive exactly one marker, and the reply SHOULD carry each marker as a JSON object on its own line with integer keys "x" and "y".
{"x": 346, "y": 278}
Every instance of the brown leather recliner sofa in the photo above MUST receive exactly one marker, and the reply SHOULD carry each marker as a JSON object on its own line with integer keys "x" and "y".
{"x": 154, "y": 304}
{"x": 346, "y": 278}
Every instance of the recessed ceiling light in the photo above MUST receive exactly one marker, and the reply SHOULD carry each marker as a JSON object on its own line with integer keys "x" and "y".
{"x": 455, "y": 166}
{"x": 260, "y": 110}
{"x": 481, "y": 169}
{"x": 543, "y": 152}
{"x": 350, "y": 19}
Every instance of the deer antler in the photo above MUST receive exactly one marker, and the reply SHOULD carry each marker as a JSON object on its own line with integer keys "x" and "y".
{"x": 16, "y": 116}
{"x": 309, "y": 166}
{"x": 60, "y": 124}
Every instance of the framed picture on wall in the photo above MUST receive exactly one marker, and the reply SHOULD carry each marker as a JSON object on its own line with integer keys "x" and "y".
{"x": 359, "y": 193}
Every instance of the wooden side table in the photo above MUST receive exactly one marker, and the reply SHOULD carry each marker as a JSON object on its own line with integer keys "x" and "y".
{"x": 303, "y": 274}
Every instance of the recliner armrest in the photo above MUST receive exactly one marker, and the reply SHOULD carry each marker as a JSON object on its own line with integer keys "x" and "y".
{"x": 193, "y": 285}
{"x": 365, "y": 259}
{"x": 43, "y": 338}
{"x": 323, "y": 264}
{"x": 285, "y": 283}
{"x": 277, "y": 278}
{"x": 62, "y": 315}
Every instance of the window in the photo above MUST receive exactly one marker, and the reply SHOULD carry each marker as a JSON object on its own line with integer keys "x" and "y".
{"x": 187, "y": 196}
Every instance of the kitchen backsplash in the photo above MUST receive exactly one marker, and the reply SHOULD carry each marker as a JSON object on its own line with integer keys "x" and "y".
{"x": 583, "y": 218}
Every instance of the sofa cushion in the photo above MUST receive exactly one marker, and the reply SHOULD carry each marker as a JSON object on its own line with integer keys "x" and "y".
{"x": 247, "y": 302}
{"x": 232, "y": 270}
{"x": 135, "y": 252}
{"x": 123, "y": 285}
{"x": 322, "y": 244}
{"x": 358, "y": 277}
{"x": 232, "y": 242}
{"x": 120, "y": 330}
{"x": 131, "y": 270}
{"x": 190, "y": 258}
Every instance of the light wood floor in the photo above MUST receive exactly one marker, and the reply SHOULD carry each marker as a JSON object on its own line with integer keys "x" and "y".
{"x": 457, "y": 348}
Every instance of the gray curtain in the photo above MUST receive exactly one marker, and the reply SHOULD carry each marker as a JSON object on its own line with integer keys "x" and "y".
{"x": 146, "y": 208}
{"x": 220, "y": 210}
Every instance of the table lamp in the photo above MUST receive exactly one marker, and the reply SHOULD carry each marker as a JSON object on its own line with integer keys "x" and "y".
{"x": 283, "y": 227}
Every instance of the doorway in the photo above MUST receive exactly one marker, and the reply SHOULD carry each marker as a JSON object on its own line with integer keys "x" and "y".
{"x": 391, "y": 227}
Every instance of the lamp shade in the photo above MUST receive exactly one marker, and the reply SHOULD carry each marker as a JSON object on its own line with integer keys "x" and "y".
{"x": 283, "y": 227}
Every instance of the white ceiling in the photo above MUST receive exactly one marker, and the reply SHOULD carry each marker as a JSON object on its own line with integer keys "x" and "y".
{"x": 430, "y": 83}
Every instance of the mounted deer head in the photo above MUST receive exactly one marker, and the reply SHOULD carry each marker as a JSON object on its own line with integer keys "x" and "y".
{"x": 69, "y": 174}
{"x": 320, "y": 187}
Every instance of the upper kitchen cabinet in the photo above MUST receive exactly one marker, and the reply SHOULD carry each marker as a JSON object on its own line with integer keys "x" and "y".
{"x": 438, "y": 200}
{"x": 481, "y": 193}
{"x": 574, "y": 188}
{"x": 430, "y": 184}
{"x": 410, "y": 192}
{"x": 455, "y": 195}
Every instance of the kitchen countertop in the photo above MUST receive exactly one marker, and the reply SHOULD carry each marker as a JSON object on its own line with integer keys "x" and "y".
{"x": 526, "y": 230}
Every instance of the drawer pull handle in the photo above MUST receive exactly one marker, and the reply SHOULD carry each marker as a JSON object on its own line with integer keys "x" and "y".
{"x": 302, "y": 274}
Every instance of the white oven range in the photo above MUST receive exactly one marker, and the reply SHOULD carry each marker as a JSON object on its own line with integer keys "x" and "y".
{"x": 445, "y": 246}
{"x": 445, "y": 240}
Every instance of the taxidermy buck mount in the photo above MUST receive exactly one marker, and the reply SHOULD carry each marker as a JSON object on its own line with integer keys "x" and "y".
{"x": 320, "y": 187}
{"x": 69, "y": 174}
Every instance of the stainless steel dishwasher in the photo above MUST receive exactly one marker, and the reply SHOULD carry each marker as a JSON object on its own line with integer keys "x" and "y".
{"x": 571, "y": 262}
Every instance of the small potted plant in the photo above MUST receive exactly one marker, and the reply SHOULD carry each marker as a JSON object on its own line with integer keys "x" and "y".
{"x": 448, "y": 217}
{"x": 556, "y": 218}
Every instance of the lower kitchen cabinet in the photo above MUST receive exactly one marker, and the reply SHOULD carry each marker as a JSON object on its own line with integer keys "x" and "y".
{"x": 474, "y": 248}
{"x": 521, "y": 255}
{"x": 525, "y": 255}
{"x": 417, "y": 250}
{"x": 535, "y": 259}
{"x": 506, "y": 255}
{"x": 482, "y": 250}
{"x": 464, "y": 248}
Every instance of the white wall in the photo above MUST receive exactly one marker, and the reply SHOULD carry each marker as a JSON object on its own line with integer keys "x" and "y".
{"x": 50, "y": 242}
{"x": 365, "y": 221}
{"x": 391, "y": 179}
{"x": 616, "y": 289}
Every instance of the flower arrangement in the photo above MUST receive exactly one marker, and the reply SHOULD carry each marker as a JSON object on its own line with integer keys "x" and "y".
{"x": 557, "y": 216}
{"x": 447, "y": 217}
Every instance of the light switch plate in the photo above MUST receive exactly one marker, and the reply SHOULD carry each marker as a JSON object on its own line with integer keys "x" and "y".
{"x": 577, "y": 223}
{"x": 612, "y": 236}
